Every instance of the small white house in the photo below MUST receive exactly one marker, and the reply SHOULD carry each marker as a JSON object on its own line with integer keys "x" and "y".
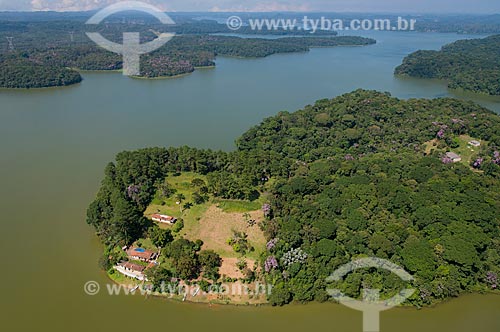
{"x": 475, "y": 143}
{"x": 161, "y": 218}
{"x": 454, "y": 157}
{"x": 131, "y": 270}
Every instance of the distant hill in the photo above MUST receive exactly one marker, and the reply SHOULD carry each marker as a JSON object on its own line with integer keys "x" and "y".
{"x": 472, "y": 65}
{"x": 459, "y": 23}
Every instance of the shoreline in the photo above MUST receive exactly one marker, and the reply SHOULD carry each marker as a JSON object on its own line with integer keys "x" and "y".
{"x": 42, "y": 87}
{"x": 149, "y": 78}
{"x": 99, "y": 71}
{"x": 446, "y": 82}
{"x": 209, "y": 302}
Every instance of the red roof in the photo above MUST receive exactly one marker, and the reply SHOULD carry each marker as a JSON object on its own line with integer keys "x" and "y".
{"x": 143, "y": 254}
{"x": 132, "y": 266}
{"x": 163, "y": 217}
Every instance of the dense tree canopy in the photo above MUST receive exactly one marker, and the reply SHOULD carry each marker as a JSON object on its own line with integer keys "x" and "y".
{"x": 472, "y": 65}
{"x": 21, "y": 72}
{"x": 351, "y": 177}
{"x": 48, "y": 66}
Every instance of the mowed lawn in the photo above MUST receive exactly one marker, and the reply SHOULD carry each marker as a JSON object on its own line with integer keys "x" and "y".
{"x": 169, "y": 206}
{"x": 466, "y": 151}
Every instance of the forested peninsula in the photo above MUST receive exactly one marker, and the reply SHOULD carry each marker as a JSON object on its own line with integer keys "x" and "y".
{"x": 37, "y": 65}
{"x": 471, "y": 65}
{"x": 19, "y": 72}
{"x": 414, "y": 181}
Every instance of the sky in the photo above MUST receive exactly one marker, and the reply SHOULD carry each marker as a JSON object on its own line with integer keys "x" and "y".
{"x": 390, "y": 6}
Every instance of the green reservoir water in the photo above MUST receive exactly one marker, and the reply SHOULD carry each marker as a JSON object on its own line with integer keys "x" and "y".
{"x": 55, "y": 143}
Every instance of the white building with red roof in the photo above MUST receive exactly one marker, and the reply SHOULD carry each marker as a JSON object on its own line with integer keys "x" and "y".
{"x": 164, "y": 219}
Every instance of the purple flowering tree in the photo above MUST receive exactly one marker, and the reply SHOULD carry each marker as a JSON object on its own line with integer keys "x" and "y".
{"x": 270, "y": 264}
{"x": 478, "y": 163}
{"x": 133, "y": 192}
{"x": 492, "y": 279}
{"x": 496, "y": 156}
{"x": 440, "y": 134}
{"x": 272, "y": 244}
{"x": 266, "y": 208}
{"x": 348, "y": 157}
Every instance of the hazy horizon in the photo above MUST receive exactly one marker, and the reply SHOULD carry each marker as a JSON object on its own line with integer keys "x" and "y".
{"x": 348, "y": 6}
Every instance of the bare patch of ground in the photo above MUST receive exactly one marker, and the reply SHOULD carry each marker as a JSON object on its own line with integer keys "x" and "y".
{"x": 230, "y": 269}
{"x": 215, "y": 227}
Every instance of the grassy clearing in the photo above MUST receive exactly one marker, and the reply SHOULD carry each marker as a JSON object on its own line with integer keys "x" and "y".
{"x": 431, "y": 145}
{"x": 122, "y": 280}
{"x": 182, "y": 185}
{"x": 212, "y": 222}
{"x": 464, "y": 150}
{"x": 235, "y": 206}
{"x": 146, "y": 244}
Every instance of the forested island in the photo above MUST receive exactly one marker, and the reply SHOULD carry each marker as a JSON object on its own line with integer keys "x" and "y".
{"x": 414, "y": 181}
{"x": 470, "y": 65}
